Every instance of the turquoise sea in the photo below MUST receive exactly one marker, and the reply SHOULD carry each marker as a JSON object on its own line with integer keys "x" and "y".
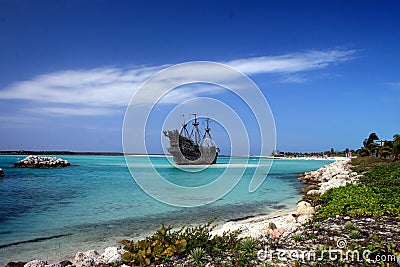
{"x": 52, "y": 213}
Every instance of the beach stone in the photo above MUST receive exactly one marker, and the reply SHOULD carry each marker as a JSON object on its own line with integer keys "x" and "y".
{"x": 16, "y": 264}
{"x": 304, "y": 218}
{"x": 111, "y": 255}
{"x": 290, "y": 219}
{"x": 270, "y": 225}
{"x": 313, "y": 192}
{"x": 304, "y": 208}
{"x": 36, "y": 263}
{"x": 86, "y": 259}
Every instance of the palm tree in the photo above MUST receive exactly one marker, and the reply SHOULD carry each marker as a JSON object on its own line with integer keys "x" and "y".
{"x": 386, "y": 149}
{"x": 370, "y": 147}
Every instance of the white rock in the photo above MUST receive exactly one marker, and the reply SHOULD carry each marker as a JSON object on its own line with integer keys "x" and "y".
{"x": 290, "y": 219}
{"x": 111, "y": 255}
{"x": 304, "y": 208}
{"x": 86, "y": 259}
{"x": 303, "y": 218}
{"x": 36, "y": 263}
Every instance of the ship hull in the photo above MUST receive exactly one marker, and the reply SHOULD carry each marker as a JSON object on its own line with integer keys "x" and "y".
{"x": 186, "y": 152}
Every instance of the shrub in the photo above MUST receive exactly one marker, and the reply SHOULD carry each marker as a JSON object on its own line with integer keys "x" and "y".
{"x": 248, "y": 244}
{"x": 355, "y": 234}
{"x": 197, "y": 255}
{"x": 348, "y": 225}
{"x": 297, "y": 237}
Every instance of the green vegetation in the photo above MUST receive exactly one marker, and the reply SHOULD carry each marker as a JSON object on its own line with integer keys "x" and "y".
{"x": 348, "y": 225}
{"x": 196, "y": 242}
{"x": 197, "y": 255}
{"x": 378, "y": 193}
{"x": 297, "y": 237}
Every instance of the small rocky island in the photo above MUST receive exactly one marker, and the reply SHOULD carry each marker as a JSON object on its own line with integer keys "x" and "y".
{"x": 41, "y": 162}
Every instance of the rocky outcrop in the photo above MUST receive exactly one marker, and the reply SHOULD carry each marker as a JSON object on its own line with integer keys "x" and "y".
{"x": 93, "y": 258}
{"x": 41, "y": 162}
{"x": 330, "y": 176}
{"x": 1, "y": 173}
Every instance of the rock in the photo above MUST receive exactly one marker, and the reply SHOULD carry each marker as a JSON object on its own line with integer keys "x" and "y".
{"x": 277, "y": 232}
{"x": 269, "y": 225}
{"x": 86, "y": 259}
{"x": 304, "y": 208}
{"x": 290, "y": 219}
{"x": 303, "y": 219}
{"x": 36, "y": 263}
{"x": 313, "y": 193}
{"x": 15, "y": 264}
{"x": 111, "y": 255}
{"x": 1, "y": 173}
{"x": 54, "y": 265}
{"x": 65, "y": 263}
{"x": 41, "y": 162}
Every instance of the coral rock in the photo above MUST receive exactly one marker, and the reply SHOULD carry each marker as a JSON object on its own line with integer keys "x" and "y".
{"x": 304, "y": 208}
{"x": 36, "y": 263}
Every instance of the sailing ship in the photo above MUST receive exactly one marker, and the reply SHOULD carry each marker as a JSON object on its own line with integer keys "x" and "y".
{"x": 193, "y": 148}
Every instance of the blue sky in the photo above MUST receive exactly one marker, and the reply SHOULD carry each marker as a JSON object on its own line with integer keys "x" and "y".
{"x": 329, "y": 69}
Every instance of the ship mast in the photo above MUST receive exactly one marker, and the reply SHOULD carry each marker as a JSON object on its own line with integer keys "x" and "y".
{"x": 207, "y": 139}
{"x": 184, "y": 132}
{"x": 195, "y": 131}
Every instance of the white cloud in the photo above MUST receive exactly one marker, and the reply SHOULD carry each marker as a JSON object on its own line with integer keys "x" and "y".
{"x": 291, "y": 63}
{"x": 98, "y": 91}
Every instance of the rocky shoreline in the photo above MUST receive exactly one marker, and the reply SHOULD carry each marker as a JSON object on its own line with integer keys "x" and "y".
{"x": 320, "y": 181}
{"x": 41, "y": 162}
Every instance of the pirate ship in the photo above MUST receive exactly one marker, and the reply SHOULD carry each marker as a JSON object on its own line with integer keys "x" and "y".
{"x": 193, "y": 148}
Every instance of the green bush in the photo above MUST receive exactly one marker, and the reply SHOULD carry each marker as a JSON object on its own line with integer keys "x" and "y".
{"x": 197, "y": 255}
{"x": 165, "y": 244}
{"x": 159, "y": 247}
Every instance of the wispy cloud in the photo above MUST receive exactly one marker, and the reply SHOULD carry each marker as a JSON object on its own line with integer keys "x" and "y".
{"x": 98, "y": 91}
{"x": 291, "y": 63}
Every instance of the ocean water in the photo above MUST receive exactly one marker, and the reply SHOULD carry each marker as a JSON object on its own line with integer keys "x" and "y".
{"x": 52, "y": 213}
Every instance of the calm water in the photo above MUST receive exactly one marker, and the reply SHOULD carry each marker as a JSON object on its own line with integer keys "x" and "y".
{"x": 53, "y": 213}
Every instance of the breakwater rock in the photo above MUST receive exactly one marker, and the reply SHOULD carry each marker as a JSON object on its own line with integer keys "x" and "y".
{"x": 41, "y": 162}
{"x": 334, "y": 175}
{"x": 1, "y": 173}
